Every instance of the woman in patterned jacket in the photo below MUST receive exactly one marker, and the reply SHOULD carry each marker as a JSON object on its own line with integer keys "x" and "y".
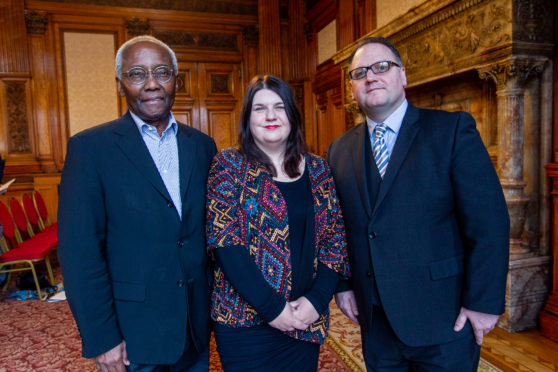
{"x": 275, "y": 230}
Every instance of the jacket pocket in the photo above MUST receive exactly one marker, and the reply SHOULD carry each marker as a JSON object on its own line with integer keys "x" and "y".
{"x": 124, "y": 291}
{"x": 446, "y": 268}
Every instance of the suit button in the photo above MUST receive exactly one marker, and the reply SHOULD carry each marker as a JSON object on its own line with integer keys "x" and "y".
{"x": 180, "y": 283}
{"x": 170, "y": 205}
{"x": 180, "y": 243}
{"x": 372, "y": 235}
{"x": 368, "y": 274}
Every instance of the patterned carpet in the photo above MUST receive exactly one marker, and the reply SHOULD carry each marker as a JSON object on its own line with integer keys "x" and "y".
{"x": 41, "y": 336}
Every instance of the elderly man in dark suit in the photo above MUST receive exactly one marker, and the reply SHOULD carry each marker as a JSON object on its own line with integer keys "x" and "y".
{"x": 131, "y": 225}
{"x": 427, "y": 224}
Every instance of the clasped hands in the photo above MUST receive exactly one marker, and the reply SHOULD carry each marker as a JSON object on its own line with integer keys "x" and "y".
{"x": 298, "y": 314}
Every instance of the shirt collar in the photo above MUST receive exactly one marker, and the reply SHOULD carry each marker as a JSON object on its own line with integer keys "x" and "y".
{"x": 143, "y": 126}
{"x": 393, "y": 121}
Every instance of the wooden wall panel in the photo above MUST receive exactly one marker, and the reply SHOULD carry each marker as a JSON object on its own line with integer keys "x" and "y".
{"x": 14, "y": 57}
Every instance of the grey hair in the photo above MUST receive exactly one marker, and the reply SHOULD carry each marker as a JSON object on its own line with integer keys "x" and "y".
{"x": 140, "y": 39}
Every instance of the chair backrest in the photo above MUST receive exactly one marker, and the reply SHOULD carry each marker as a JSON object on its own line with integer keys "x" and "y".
{"x": 19, "y": 217}
{"x": 30, "y": 210}
{"x": 7, "y": 221}
{"x": 41, "y": 206}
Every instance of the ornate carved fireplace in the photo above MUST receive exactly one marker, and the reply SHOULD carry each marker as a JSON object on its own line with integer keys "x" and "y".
{"x": 492, "y": 58}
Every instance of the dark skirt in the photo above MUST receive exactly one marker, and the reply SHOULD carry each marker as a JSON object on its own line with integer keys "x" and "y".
{"x": 264, "y": 349}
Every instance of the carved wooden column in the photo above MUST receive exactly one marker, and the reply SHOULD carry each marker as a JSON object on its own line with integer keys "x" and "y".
{"x": 549, "y": 316}
{"x": 270, "y": 38}
{"x": 45, "y": 126}
{"x": 527, "y": 270}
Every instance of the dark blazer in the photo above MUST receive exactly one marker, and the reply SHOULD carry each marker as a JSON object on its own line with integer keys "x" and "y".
{"x": 436, "y": 238}
{"x": 132, "y": 269}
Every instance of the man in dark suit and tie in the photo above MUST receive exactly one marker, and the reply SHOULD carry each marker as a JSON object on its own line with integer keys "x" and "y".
{"x": 427, "y": 224}
{"x": 131, "y": 225}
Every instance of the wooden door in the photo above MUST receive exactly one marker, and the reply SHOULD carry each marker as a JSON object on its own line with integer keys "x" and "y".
{"x": 208, "y": 98}
{"x": 220, "y": 99}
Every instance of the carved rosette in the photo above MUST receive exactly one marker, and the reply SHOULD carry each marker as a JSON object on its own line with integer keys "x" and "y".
{"x": 137, "y": 27}
{"x": 36, "y": 22}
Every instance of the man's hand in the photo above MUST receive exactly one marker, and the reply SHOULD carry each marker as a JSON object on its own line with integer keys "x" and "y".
{"x": 286, "y": 321}
{"x": 304, "y": 311}
{"x": 347, "y": 303}
{"x": 482, "y": 323}
{"x": 114, "y": 360}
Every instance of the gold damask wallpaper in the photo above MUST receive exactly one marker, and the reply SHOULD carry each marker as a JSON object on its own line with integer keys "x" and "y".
{"x": 91, "y": 88}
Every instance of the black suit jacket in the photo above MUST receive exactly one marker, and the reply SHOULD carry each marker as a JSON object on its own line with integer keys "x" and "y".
{"x": 436, "y": 238}
{"x": 132, "y": 269}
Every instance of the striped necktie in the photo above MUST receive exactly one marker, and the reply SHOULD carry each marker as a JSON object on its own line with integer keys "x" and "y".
{"x": 379, "y": 148}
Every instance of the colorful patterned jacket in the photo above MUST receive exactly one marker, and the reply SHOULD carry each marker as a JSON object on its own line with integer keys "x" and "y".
{"x": 246, "y": 208}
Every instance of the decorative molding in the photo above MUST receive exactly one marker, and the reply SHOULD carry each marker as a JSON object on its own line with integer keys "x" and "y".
{"x": 137, "y": 27}
{"x": 199, "y": 40}
{"x": 36, "y": 22}
{"x": 512, "y": 73}
{"x": 216, "y": 6}
{"x": 251, "y": 35}
{"x": 18, "y": 127}
{"x": 431, "y": 47}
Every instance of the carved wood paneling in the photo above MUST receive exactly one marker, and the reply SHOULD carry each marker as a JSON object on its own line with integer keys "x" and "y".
{"x": 464, "y": 92}
{"x": 14, "y": 58}
{"x": 215, "y": 6}
{"x": 199, "y": 40}
{"x": 222, "y": 125}
{"x": 17, "y": 115}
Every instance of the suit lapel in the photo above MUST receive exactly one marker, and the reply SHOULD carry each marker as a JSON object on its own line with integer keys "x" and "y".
{"x": 133, "y": 146}
{"x": 360, "y": 168}
{"x": 409, "y": 129}
{"x": 186, "y": 159}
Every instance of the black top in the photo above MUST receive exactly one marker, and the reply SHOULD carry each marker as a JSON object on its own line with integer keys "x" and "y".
{"x": 250, "y": 283}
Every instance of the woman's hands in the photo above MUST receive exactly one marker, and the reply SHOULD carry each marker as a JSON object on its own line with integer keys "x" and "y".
{"x": 286, "y": 321}
{"x": 304, "y": 311}
{"x": 298, "y": 314}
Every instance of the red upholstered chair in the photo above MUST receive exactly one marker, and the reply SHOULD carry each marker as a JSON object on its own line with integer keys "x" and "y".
{"x": 43, "y": 212}
{"x": 24, "y": 227}
{"x": 22, "y": 255}
{"x": 33, "y": 216}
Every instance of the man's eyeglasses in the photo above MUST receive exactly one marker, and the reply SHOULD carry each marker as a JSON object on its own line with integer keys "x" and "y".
{"x": 377, "y": 68}
{"x": 138, "y": 75}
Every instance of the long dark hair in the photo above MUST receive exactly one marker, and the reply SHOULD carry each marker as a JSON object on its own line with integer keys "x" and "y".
{"x": 296, "y": 147}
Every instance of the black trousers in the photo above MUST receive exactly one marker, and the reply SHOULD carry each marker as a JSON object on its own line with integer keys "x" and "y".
{"x": 383, "y": 351}
{"x": 190, "y": 361}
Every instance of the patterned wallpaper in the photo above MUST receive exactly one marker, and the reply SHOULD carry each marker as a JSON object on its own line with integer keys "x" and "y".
{"x": 91, "y": 88}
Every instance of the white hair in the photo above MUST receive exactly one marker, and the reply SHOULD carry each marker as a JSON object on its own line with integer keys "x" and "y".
{"x": 140, "y": 39}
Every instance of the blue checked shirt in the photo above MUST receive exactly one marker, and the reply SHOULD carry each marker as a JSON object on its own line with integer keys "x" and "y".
{"x": 164, "y": 152}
